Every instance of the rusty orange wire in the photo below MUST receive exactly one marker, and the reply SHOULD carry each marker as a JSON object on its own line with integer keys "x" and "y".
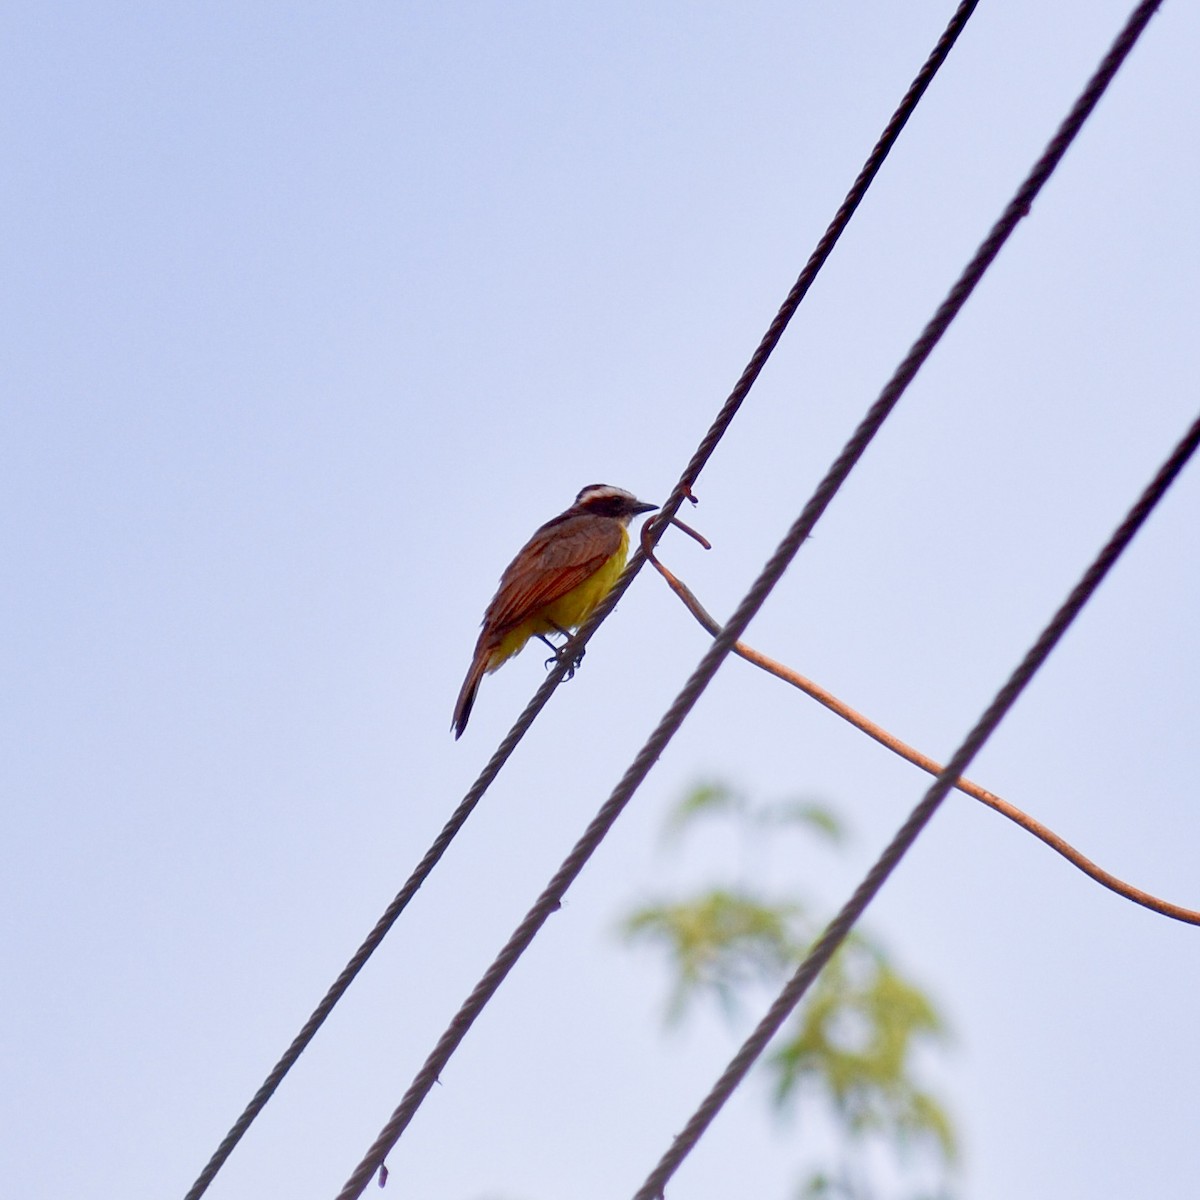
{"x": 1006, "y": 809}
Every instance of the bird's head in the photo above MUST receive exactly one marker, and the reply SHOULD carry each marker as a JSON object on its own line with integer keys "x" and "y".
{"x": 604, "y": 500}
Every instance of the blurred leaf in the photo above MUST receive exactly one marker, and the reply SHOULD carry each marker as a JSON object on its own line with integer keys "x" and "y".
{"x": 816, "y": 818}
{"x": 850, "y": 1048}
{"x": 819, "y": 1186}
{"x": 852, "y": 1045}
{"x": 717, "y": 941}
{"x": 704, "y": 800}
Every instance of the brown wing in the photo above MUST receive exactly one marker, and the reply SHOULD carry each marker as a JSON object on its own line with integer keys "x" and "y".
{"x": 559, "y": 557}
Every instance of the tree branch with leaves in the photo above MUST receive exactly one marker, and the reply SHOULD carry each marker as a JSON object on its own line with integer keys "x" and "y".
{"x": 847, "y": 1059}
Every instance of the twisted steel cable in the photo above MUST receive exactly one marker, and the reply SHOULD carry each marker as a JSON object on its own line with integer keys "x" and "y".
{"x": 551, "y": 898}
{"x": 556, "y": 674}
{"x": 824, "y": 247}
{"x": 824, "y": 949}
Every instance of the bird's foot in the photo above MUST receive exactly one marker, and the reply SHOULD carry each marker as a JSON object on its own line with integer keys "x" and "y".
{"x": 564, "y": 652}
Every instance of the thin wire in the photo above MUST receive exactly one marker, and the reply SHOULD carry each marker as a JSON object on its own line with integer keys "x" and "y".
{"x": 551, "y": 898}
{"x": 910, "y": 754}
{"x": 841, "y": 925}
{"x": 917, "y": 89}
{"x": 556, "y": 674}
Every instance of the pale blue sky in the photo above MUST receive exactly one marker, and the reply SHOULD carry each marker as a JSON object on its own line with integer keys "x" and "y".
{"x": 312, "y": 313}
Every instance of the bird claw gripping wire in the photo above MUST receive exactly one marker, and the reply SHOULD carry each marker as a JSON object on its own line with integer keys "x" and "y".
{"x": 573, "y": 657}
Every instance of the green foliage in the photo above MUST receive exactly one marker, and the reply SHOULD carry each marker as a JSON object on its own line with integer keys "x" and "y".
{"x": 847, "y": 1054}
{"x": 718, "y": 799}
{"x": 717, "y": 942}
{"x": 852, "y": 1043}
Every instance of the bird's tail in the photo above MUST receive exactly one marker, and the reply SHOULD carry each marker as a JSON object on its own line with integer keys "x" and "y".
{"x": 466, "y": 697}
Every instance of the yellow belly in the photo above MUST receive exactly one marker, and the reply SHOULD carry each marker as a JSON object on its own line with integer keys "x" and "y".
{"x": 567, "y": 612}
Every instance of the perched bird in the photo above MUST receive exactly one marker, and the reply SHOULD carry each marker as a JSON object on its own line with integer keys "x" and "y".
{"x": 555, "y": 583}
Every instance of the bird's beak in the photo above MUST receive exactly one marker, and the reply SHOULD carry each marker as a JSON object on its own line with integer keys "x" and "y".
{"x": 643, "y": 507}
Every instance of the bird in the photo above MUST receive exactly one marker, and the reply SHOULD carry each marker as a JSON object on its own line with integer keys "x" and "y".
{"x": 555, "y": 583}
